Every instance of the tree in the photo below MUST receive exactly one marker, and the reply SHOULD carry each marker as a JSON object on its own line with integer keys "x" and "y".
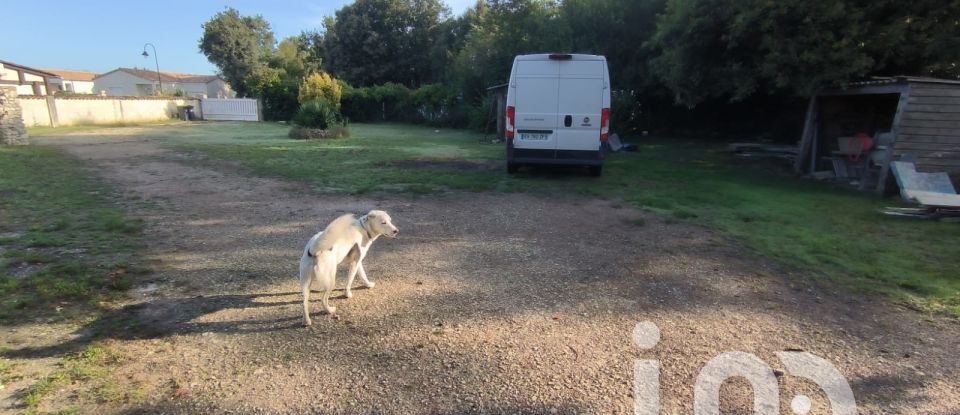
{"x": 372, "y": 42}
{"x": 920, "y": 39}
{"x": 237, "y": 45}
{"x": 734, "y": 49}
{"x": 500, "y": 30}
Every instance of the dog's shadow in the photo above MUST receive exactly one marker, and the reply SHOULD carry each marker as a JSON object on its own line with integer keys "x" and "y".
{"x": 169, "y": 316}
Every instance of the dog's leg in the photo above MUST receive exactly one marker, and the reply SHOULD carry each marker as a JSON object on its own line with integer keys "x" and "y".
{"x": 363, "y": 276}
{"x": 354, "y": 258}
{"x": 325, "y": 296}
{"x": 305, "y": 288}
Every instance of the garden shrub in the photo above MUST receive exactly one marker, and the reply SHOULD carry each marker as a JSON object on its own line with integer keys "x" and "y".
{"x": 321, "y": 86}
{"x": 318, "y": 114}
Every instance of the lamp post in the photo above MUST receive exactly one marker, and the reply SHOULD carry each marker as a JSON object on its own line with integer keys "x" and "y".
{"x": 157, "y": 61}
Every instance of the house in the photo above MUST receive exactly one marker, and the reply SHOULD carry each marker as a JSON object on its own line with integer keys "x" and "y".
{"x": 77, "y": 82}
{"x": 855, "y": 132}
{"x": 29, "y": 81}
{"x": 143, "y": 82}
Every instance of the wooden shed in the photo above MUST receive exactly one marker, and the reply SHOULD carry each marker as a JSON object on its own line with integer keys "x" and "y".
{"x": 500, "y": 108}
{"x": 911, "y": 118}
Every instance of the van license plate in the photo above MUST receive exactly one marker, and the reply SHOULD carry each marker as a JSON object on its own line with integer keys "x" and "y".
{"x": 534, "y": 136}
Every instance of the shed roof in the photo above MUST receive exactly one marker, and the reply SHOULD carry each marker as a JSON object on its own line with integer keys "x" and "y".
{"x": 27, "y": 69}
{"x": 885, "y": 80}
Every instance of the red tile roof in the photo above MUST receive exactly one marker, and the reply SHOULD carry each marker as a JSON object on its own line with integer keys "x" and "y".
{"x": 166, "y": 76}
{"x": 73, "y": 75}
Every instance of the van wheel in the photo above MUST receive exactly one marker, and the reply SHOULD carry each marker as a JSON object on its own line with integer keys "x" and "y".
{"x": 512, "y": 168}
{"x": 595, "y": 170}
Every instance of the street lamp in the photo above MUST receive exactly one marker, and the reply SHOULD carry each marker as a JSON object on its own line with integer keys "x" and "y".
{"x": 147, "y": 55}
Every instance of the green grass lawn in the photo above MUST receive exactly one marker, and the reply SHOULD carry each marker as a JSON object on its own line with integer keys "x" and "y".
{"x": 64, "y": 247}
{"x": 832, "y": 234}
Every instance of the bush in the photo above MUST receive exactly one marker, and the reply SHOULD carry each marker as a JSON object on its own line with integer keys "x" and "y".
{"x": 317, "y": 114}
{"x": 387, "y": 102}
{"x": 321, "y": 86}
{"x": 438, "y": 105}
{"x": 481, "y": 115}
{"x": 625, "y": 112}
{"x": 277, "y": 91}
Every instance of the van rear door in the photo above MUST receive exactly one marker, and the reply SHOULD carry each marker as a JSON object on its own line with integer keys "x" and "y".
{"x": 580, "y": 102}
{"x": 536, "y": 106}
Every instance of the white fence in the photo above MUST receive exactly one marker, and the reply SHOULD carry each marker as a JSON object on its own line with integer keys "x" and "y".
{"x": 239, "y": 109}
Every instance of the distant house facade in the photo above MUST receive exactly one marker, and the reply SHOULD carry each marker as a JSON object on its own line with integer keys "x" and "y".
{"x": 75, "y": 82}
{"x": 28, "y": 81}
{"x": 142, "y": 82}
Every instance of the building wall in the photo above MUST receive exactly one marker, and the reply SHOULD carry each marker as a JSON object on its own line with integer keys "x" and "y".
{"x": 120, "y": 84}
{"x": 100, "y": 110}
{"x": 76, "y": 87}
{"x": 930, "y": 127}
{"x": 219, "y": 89}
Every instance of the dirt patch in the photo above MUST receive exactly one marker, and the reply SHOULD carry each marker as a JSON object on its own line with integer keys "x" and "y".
{"x": 487, "y": 303}
{"x": 449, "y": 164}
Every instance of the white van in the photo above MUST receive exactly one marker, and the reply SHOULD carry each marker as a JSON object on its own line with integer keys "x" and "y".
{"x": 558, "y": 110}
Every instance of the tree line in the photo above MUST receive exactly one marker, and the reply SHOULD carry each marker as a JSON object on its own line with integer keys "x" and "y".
{"x": 701, "y": 63}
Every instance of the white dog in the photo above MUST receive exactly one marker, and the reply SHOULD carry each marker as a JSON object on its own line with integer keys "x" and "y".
{"x": 345, "y": 237}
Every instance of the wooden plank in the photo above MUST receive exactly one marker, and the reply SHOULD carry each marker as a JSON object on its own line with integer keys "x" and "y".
{"x": 929, "y": 131}
{"x": 939, "y": 163}
{"x": 925, "y": 91}
{"x": 935, "y": 108}
{"x": 940, "y": 139}
{"x": 934, "y": 100}
{"x": 933, "y": 155}
{"x": 936, "y": 116}
{"x": 907, "y": 145}
{"x": 928, "y": 85}
{"x": 866, "y": 90}
{"x": 931, "y": 123}
{"x": 937, "y": 199}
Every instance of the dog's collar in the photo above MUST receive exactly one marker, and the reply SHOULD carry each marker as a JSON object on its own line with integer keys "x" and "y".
{"x": 363, "y": 225}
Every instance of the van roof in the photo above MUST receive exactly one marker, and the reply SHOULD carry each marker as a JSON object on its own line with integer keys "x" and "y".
{"x": 574, "y": 56}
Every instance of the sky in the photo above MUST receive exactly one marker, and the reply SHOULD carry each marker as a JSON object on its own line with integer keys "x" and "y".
{"x": 102, "y": 35}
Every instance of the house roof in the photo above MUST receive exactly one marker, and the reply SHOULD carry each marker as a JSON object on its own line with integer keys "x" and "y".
{"x": 73, "y": 75}
{"x": 27, "y": 69}
{"x": 886, "y": 80}
{"x": 165, "y": 76}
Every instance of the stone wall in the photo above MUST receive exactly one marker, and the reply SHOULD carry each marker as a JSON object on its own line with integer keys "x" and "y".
{"x": 12, "y": 129}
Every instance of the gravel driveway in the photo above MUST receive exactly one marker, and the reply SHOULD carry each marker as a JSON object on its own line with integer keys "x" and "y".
{"x": 486, "y": 303}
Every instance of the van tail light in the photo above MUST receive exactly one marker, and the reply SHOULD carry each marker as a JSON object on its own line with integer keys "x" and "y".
{"x": 604, "y": 124}
{"x": 511, "y": 118}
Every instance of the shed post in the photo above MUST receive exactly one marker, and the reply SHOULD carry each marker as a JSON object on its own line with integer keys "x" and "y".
{"x": 807, "y": 138}
{"x": 501, "y": 103}
{"x": 52, "y": 111}
{"x": 895, "y": 130}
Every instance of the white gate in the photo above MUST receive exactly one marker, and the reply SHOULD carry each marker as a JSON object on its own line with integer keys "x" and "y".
{"x": 238, "y": 109}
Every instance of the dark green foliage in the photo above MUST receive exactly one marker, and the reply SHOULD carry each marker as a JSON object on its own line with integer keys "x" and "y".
{"x": 674, "y": 64}
{"x": 237, "y": 45}
{"x": 371, "y": 42}
{"x": 733, "y": 50}
{"x": 387, "y": 102}
{"x": 318, "y": 114}
{"x": 437, "y": 104}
